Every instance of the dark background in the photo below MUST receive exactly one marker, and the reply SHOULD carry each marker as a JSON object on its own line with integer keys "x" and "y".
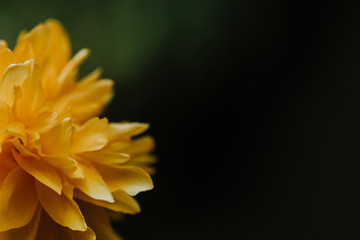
{"x": 254, "y": 106}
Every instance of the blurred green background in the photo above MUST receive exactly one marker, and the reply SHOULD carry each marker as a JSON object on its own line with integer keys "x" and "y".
{"x": 254, "y": 106}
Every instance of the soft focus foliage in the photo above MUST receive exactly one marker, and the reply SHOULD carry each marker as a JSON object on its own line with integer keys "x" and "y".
{"x": 61, "y": 165}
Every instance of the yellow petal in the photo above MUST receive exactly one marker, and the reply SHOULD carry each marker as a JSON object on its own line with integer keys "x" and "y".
{"x": 4, "y": 113}
{"x": 139, "y": 146}
{"x": 7, "y": 162}
{"x": 57, "y": 141}
{"x": 44, "y": 121}
{"x": 78, "y": 235}
{"x": 7, "y": 58}
{"x": 90, "y": 136}
{"x": 60, "y": 208}
{"x": 14, "y": 75}
{"x": 118, "y": 131}
{"x": 16, "y": 129}
{"x": 60, "y": 48}
{"x": 123, "y": 202}
{"x": 92, "y": 184}
{"x": 33, "y": 45}
{"x": 3, "y": 44}
{"x": 90, "y": 99}
{"x": 32, "y": 97}
{"x": 145, "y": 162}
{"x": 90, "y": 78}
{"x": 106, "y": 157}
{"x": 28, "y": 232}
{"x": 66, "y": 77}
{"x": 40, "y": 170}
{"x": 130, "y": 179}
{"x": 65, "y": 163}
{"x": 18, "y": 200}
{"x": 98, "y": 221}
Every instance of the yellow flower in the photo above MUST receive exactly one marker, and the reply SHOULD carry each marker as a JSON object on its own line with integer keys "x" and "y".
{"x": 62, "y": 167}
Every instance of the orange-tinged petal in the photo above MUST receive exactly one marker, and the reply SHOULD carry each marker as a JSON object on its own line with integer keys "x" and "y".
{"x": 7, "y": 162}
{"x": 130, "y": 179}
{"x": 14, "y": 75}
{"x": 123, "y": 202}
{"x": 90, "y": 136}
{"x": 18, "y": 200}
{"x": 40, "y": 170}
{"x": 4, "y": 113}
{"x": 57, "y": 141}
{"x": 28, "y": 232}
{"x": 60, "y": 208}
{"x": 92, "y": 184}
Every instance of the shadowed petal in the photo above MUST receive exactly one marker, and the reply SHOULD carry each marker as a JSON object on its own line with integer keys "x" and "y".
{"x": 28, "y": 232}
{"x": 18, "y": 200}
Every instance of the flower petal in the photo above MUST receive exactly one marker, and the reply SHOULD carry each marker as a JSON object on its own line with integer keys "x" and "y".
{"x": 44, "y": 121}
{"x": 64, "y": 163}
{"x": 106, "y": 157}
{"x": 92, "y": 184}
{"x": 18, "y": 200}
{"x": 40, "y": 170}
{"x": 65, "y": 80}
{"x": 130, "y": 179}
{"x": 31, "y": 98}
{"x": 60, "y": 208}
{"x": 33, "y": 45}
{"x": 88, "y": 101}
{"x": 14, "y": 75}
{"x": 57, "y": 141}
{"x": 90, "y": 136}
{"x": 99, "y": 221}
{"x": 7, "y": 162}
{"x": 78, "y": 235}
{"x": 4, "y": 113}
{"x": 28, "y": 232}
{"x": 117, "y": 131}
{"x": 123, "y": 202}
{"x": 7, "y": 58}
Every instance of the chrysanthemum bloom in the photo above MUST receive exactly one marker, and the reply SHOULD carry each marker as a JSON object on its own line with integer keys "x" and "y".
{"x": 62, "y": 167}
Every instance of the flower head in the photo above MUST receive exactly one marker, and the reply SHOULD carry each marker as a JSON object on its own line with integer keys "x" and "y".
{"x": 61, "y": 165}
